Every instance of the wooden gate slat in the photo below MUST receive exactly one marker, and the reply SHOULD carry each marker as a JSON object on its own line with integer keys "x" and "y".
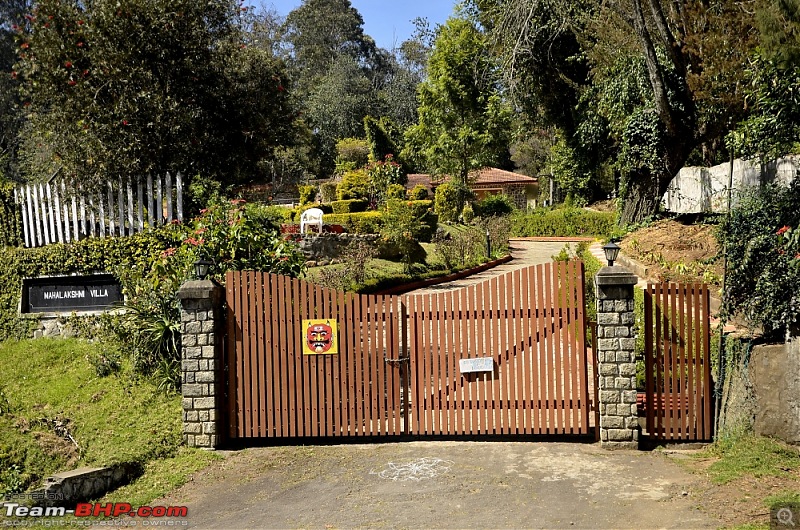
{"x": 691, "y": 359}
{"x": 269, "y": 354}
{"x": 462, "y": 338}
{"x": 520, "y": 294}
{"x": 308, "y": 368}
{"x": 453, "y": 347}
{"x": 528, "y": 345}
{"x": 230, "y": 285}
{"x": 372, "y": 387}
{"x": 259, "y": 314}
{"x": 709, "y": 392}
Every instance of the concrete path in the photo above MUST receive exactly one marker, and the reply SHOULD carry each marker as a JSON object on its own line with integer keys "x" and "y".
{"x": 442, "y": 485}
{"x": 525, "y": 252}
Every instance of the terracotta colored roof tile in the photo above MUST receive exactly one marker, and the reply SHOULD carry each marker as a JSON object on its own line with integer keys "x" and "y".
{"x": 486, "y": 176}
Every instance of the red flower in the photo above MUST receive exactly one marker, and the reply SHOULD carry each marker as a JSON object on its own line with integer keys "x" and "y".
{"x": 783, "y": 230}
{"x": 85, "y": 73}
{"x": 175, "y": 222}
{"x": 80, "y": 22}
{"x": 280, "y": 88}
{"x": 238, "y": 201}
{"x": 124, "y": 122}
{"x": 200, "y": 231}
{"x": 13, "y": 75}
{"x": 72, "y": 83}
{"x": 68, "y": 64}
{"x": 203, "y": 211}
{"x": 169, "y": 252}
{"x": 80, "y": 45}
{"x": 24, "y": 45}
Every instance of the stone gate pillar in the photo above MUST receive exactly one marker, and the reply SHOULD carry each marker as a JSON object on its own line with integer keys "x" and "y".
{"x": 616, "y": 363}
{"x": 202, "y": 370}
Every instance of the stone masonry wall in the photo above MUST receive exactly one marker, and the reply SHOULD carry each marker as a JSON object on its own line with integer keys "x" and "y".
{"x": 619, "y": 425}
{"x": 202, "y": 365}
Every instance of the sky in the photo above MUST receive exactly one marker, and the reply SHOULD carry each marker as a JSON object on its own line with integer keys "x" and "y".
{"x": 387, "y": 21}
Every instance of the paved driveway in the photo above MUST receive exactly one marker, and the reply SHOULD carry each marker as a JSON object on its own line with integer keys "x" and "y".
{"x": 525, "y": 252}
{"x": 442, "y": 485}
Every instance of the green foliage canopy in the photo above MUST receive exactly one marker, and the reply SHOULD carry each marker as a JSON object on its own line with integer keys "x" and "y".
{"x": 464, "y": 124}
{"x": 131, "y": 86}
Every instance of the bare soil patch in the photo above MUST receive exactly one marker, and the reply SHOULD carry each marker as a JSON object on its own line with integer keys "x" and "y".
{"x": 676, "y": 251}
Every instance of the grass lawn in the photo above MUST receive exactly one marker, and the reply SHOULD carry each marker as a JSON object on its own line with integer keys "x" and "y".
{"x": 57, "y": 414}
{"x": 747, "y": 476}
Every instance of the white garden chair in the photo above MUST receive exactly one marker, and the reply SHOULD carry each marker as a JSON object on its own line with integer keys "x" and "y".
{"x": 311, "y": 217}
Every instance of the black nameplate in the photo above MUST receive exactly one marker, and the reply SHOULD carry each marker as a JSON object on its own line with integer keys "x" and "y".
{"x": 70, "y": 293}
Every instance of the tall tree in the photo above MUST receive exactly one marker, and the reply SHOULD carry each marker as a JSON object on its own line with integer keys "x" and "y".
{"x": 12, "y": 22}
{"x": 124, "y": 87}
{"x": 464, "y": 124}
{"x": 559, "y": 55}
{"x": 320, "y": 31}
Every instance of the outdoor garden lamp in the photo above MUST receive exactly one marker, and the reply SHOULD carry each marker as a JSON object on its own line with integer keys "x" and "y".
{"x": 611, "y": 250}
{"x": 201, "y": 267}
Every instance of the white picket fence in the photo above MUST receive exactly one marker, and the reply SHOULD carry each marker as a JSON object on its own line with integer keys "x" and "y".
{"x": 58, "y": 212}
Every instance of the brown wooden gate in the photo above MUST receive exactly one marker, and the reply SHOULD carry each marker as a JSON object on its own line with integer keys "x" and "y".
{"x": 398, "y": 367}
{"x": 528, "y": 326}
{"x": 277, "y": 391}
{"x": 679, "y": 391}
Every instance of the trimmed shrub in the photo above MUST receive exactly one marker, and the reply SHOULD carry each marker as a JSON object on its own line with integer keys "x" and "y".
{"x": 348, "y": 206}
{"x": 351, "y": 153}
{"x": 327, "y": 191}
{"x": 418, "y": 193}
{"x": 356, "y": 223}
{"x": 307, "y": 193}
{"x": 396, "y": 191}
{"x": 494, "y": 205}
{"x": 449, "y": 200}
{"x": 354, "y": 185}
{"x": 424, "y": 211}
{"x": 468, "y": 214}
{"x": 563, "y": 222}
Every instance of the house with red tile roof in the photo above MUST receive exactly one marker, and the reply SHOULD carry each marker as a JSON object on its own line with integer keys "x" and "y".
{"x": 522, "y": 189}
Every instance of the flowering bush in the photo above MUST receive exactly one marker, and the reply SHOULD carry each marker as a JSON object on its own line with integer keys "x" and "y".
{"x": 227, "y": 234}
{"x": 230, "y": 235}
{"x": 763, "y": 247}
{"x": 382, "y": 175}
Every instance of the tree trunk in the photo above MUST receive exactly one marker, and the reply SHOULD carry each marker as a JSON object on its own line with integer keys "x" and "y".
{"x": 642, "y": 198}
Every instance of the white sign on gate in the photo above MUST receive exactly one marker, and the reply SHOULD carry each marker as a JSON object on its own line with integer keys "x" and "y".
{"x": 478, "y": 364}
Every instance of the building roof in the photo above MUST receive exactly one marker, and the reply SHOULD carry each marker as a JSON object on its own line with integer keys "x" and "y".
{"x": 486, "y": 177}
{"x": 492, "y": 175}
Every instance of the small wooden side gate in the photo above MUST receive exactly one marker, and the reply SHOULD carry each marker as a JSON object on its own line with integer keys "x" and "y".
{"x": 504, "y": 357}
{"x": 679, "y": 393}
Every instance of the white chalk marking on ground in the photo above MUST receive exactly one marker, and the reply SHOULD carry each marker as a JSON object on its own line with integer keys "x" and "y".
{"x": 416, "y": 470}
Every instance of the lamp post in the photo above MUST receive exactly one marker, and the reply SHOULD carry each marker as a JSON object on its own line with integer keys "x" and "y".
{"x": 201, "y": 268}
{"x": 611, "y": 251}
{"x": 488, "y": 245}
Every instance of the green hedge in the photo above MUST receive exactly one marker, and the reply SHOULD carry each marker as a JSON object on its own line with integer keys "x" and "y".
{"x": 356, "y": 223}
{"x": 563, "y": 222}
{"x": 10, "y": 225}
{"x": 348, "y": 206}
{"x": 84, "y": 257}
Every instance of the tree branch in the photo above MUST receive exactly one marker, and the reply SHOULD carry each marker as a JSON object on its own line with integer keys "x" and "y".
{"x": 653, "y": 69}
